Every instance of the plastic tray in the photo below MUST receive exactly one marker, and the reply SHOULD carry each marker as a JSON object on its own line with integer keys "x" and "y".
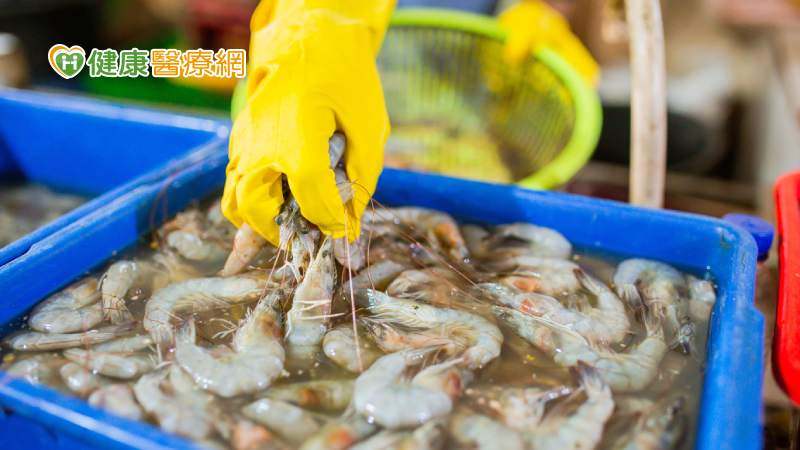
{"x": 92, "y": 148}
{"x": 786, "y": 342}
{"x": 731, "y": 395}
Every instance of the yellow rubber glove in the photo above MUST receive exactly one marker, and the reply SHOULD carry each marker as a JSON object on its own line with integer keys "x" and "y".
{"x": 534, "y": 23}
{"x": 312, "y": 71}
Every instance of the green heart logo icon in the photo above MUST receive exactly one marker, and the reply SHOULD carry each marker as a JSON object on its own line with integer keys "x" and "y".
{"x": 67, "y": 61}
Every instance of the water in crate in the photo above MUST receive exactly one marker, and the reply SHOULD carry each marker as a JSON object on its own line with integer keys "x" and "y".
{"x": 423, "y": 333}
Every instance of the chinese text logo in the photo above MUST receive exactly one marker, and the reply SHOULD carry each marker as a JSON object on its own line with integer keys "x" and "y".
{"x": 158, "y": 62}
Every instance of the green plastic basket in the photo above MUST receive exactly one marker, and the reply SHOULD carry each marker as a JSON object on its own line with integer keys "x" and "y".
{"x": 459, "y": 109}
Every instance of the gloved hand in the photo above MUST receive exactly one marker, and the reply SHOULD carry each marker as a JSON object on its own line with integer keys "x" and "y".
{"x": 312, "y": 71}
{"x": 534, "y": 23}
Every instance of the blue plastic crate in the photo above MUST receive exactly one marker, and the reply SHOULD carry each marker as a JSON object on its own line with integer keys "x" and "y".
{"x": 730, "y": 405}
{"x": 92, "y": 148}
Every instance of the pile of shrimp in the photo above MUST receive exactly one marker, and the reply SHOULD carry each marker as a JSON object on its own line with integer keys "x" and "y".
{"x": 24, "y": 208}
{"x": 421, "y": 334}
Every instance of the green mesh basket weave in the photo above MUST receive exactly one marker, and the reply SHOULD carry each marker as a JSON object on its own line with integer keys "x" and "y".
{"x": 459, "y": 109}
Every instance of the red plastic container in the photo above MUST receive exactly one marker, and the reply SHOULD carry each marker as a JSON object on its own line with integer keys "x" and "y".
{"x": 786, "y": 343}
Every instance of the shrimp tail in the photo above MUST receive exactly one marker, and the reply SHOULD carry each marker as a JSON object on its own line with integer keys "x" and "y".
{"x": 630, "y": 294}
{"x": 588, "y": 377}
{"x": 684, "y": 339}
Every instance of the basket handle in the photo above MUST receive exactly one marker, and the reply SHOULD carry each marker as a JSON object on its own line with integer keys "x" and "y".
{"x": 648, "y": 103}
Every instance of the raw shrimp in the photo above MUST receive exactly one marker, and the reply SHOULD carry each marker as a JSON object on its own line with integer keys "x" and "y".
{"x": 246, "y": 435}
{"x": 192, "y": 247}
{"x": 550, "y": 276}
{"x": 606, "y": 323}
{"x": 352, "y": 255}
{"x": 197, "y": 295}
{"x": 376, "y": 276}
{"x": 434, "y": 285}
{"x": 484, "y": 338}
{"x": 122, "y": 276}
{"x": 430, "y": 436}
{"x": 126, "y": 344}
{"x": 584, "y": 427}
{"x": 328, "y": 395}
{"x": 520, "y": 408}
{"x": 663, "y": 290}
{"x": 35, "y": 341}
{"x": 340, "y": 434}
{"x": 115, "y": 365}
{"x": 292, "y": 423}
{"x": 37, "y": 369}
{"x": 380, "y": 395}
{"x": 519, "y": 239}
{"x": 119, "y": 278}
{"x": 440, "y": 229}
{"x": 339, "y": 346}
{"x": 78, "y": 379}
{"x": 623, "y": 372}
{"x": 117, "y": 399}
{"x": 478, "y": 432}
{"x": 257, "y": 357}
{"x": 701, "y": 298}
{"x": 76, "y": 308}
{"x": 175, "y": 403}
{"x": 307, "y": 320}
{"x": 246, "y": 245}
{"x": 661, "y": 429}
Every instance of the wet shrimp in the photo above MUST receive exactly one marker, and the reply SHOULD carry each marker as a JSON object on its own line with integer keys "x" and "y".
{"x": 197, "y": 295}
{"x": 294, "y": 424}
{"x": 484, "y": 338}
{"x": 660, "y": 428}
{"x": 429, "y": 436}
{"x": 434, "y": 285}
{"x": 307, "y": 320}
{"x": 123, "y": 366}
{"x": 623, "y": 372}
{"x": 351, "y": 255}
{"x": 478, "y": 432}
{"x": 79, "y": 380}
{"x": 380, "y": 394}
{"x": 38, "y": 369}
{"x": 326, "y": 395}
{"x": 246, "y": 435}
{"x": 117, "y": 399}
{"x": 76, "y": 308}
{"x": 375, "y": 276}
{"x": 34, "y": 341}
{"x": 123, "y": 276}
{"x": 525, "y": 239}
{"x": 256, "y": 360}
{"x": 520, "y": 408}
{"x": 187, "y": 235}
{"x": 584, "y": 427}
{"x": 662, "y": 289}
{"x": 441, "y": 230}
{"x": 175, "y": 403}
{"x": 127, "y": 344}
{"x": 549, "y": 276}
{"x": 701, "y": 298}
{"x": 341, "y": 434}
{"x": 339, "y": 346}
{"x": 246, "y": 245}
{"x": 605, "y": 323}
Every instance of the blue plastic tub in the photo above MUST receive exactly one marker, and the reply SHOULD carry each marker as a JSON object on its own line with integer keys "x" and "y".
{"x": 731, "y": 396}
{"x": 92, "y": 148}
